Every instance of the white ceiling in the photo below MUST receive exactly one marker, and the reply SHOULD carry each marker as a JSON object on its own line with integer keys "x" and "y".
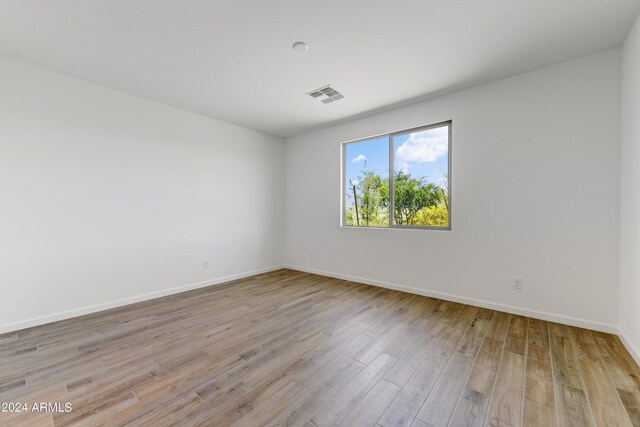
{"x": 232, "y": 59}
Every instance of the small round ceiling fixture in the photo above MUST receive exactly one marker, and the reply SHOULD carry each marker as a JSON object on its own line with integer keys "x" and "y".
{"x": 300, "y": 47}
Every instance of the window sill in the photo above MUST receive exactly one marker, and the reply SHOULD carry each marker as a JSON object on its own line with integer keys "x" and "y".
{"x": 397, "y": 227}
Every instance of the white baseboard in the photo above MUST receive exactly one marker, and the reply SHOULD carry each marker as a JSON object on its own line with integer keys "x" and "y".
{"x": 630, "y": 348}
{"x": 552, "y": 317}
{"x": 10, "y": 327}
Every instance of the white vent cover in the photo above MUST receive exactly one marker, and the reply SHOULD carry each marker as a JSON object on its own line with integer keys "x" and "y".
{"x": 326, "y": 94}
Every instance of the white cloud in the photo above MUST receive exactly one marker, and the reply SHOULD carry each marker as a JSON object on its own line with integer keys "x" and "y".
{"x": 426, "y": 146}
{"x": 359, "y": 158}
{"x": 403, "y": 166}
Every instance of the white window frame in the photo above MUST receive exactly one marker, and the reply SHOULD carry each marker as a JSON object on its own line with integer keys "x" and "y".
{"x": 391, "y": 136}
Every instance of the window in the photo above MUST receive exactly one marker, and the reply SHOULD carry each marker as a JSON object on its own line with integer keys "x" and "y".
{"x": 399, "y": 180}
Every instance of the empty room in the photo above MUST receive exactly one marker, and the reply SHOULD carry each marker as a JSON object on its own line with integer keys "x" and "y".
{"x": 315, "y": 213}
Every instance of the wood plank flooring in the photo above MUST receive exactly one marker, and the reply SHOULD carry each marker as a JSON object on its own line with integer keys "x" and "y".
{"x": 290, "y": 348}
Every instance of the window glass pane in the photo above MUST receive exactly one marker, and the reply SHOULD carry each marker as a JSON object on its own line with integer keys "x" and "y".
{"x": 366, "y": 183}
{"x": 421, "y": 175}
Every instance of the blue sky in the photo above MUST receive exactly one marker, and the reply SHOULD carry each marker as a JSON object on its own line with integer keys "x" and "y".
{"x": 422, "y": 154}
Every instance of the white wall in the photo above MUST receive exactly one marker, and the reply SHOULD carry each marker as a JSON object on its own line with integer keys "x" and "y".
{"x": 106, "y": 197}
{"x": 535, "y": 193}
{"x": 630, "y": 193}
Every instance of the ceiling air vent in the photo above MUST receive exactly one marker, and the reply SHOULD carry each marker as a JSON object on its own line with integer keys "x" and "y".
{"x": 326, "y": 94}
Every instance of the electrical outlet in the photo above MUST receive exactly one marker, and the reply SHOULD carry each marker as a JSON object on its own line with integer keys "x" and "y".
{"x": 517, "y": 283}
{"x": 205, "y": 264}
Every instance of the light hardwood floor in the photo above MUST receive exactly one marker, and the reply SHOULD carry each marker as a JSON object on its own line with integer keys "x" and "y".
{"x": 290, "y": 348}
